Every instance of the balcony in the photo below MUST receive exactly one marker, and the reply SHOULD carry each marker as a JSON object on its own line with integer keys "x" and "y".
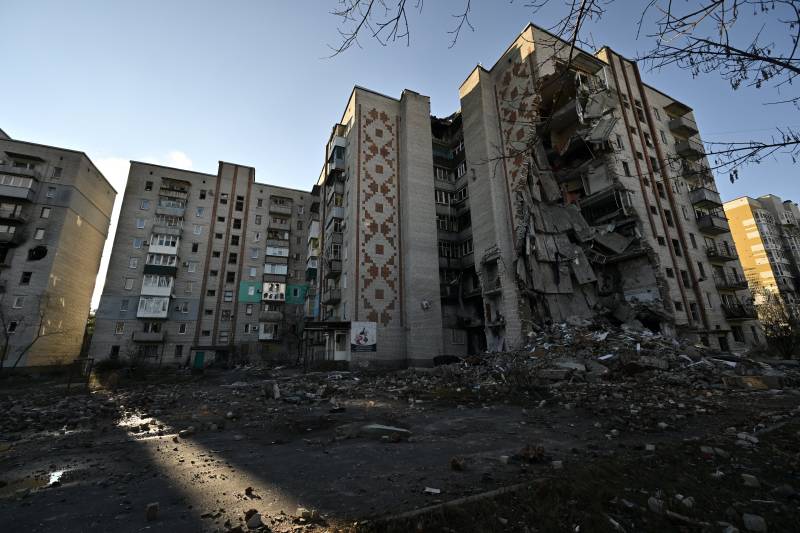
{"x": 721, "y": 253}
{"x": 705, "y": 198}
{"x": 11, "y": 239}
{"x": 739, "y": 312}
{"x": 729, "y": 283}
{"x": 153, "y": 307}
{"x": 270, "y": 316}
{"x": 334, "y": 212}
{"x": 167, "y": 230}
{"x": 13, "y": 216}
{"x": 156, "y": 248}
{"x": 284, "y": 224}
{"x": 20, "y": 171}
{"x": 170, "y": 211}
{"x": 280, "y": 209}
{"x": 173, "y": 193}
{"x": 332, "y": 297}
{"x": 21, "y": 188}
{"x": 334, "y": 237}
{"x": 690, "y": 149}
{"x": 156, "y": 290}
{"x": 334, "y": 268}
{"x": 713, "y": 224}
{"x": 683, "y": 126}
{"x": 162, "y": 270}
{"x": 145, "y": 336}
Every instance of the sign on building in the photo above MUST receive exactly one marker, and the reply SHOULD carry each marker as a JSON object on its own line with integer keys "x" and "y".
{"x": 363, "y": 337}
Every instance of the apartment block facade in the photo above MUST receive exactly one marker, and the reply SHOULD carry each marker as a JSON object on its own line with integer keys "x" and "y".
{"x": 204, "y": 267}
{"x": 766, "y": 232}
{"x": 564, "y": 186}
{"x": 55, "y": 210}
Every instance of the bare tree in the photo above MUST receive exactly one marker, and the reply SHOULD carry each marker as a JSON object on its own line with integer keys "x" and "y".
{"x": 41, "y": 328}
{"x": 704, "y": 37}
{"x": 780, "y": 320}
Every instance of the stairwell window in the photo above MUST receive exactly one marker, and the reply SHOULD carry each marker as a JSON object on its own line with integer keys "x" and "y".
{"x": 119, "y": 328}
{"x": 51, "y": 192}
{"x": 38, "y": 234}
{"x": 45, "y": 212}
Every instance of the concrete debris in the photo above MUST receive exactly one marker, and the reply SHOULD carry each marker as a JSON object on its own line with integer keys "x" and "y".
{"x": 754, "y": 523}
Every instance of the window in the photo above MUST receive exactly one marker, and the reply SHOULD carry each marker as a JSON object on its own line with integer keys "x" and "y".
{"x": 663, "y": 137}
{"x": 253, "y": 272}
{"x": 123, "y": 305}
{"x": 654, "y": 164}
{"x": 653, "y": 210}
{"x": 668, "y": 218}
{"x": 144, "y": 204}
{"x": 140, "y": 223}
{"x": 656, "y": 113}
{"x": 234, "y": 240}
{"x": 223, "y": 198}
{"x": 738, "y": 334}
{"x": 300, "y": 209}
{"x": 133, "y": 262}
{"x": 248, "y": 310}
{"x": 205, "y": 333}
{"x": 626, "y": 169}
{"x": 119, "y": 328}
{"x": 620, "y": 145}
{"x": 182, "y": 329}
{"x": 230, "y": 277}
{"x": 676, "y": 245}
{"x": 701, "y": 270}
{"x": 213, "y": 273}
{"x": 192, "y": 267}
{"x": 148, "y": 185}
{"x": 25, "y": 279}
{"x": 197, "y": 230}
{"x": 216, "y": 253}
{"x": 694, "y": 310}
{"x": 647, "y": 139}
{"x": 661, "y": 240}
{"x": 639, "y": 156}
{"x": 211, "y": 293}
{"x": 232, "y": 258}
{"x": 38, "y": 234}
{"x": 57, "y": 172}
{"x": 179, "y": 350}
{"x": 218, "y": 235}
{"x": 685, "y": 279}
{"x": 278, "y": 251}
{"x": 227, "y": 296}
{"x": 189, "y": 287}
{"x": 51, "y": 192}
{"x": 253, "y": 253}
{"x": 257, "y": 236}
{"x": 45, "y": 212}
{"x": 199, "y": 211}
{"x": 18, "y": 302}
{"x": 237, "y": 223}
{"x": 260, "y": 202}
{"x": 137, "y": 243}
{"x": 202, "y": 195}
{"x": 239, "y": 204}
{"x": 442, "y": 197}
{"x": 678, "y": 305}
{"x": 208, "y": 312}
{"x": 693, "y": 241}
{"x": 660, "y": 189}
{"x": 274, "y": 268}
{"x": 128, "y": 284}
{"x": 258, "y": 219}
{"x": 670, "y": 273}
{"x": 195, "y": 247}
{"x": 221, "y": 219}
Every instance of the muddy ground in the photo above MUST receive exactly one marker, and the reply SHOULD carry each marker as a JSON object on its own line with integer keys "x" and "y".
{"x": 624, "y": 455}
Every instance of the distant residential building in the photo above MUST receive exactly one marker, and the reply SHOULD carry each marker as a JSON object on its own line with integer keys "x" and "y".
{"x": 204, "y": 267}
{"x": 55, "y": 210}
{"x": 766, "y": 231}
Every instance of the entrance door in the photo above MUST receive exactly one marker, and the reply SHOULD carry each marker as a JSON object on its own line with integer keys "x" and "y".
{"x": 199, "y": 359}
{"x": 723, "y": 344}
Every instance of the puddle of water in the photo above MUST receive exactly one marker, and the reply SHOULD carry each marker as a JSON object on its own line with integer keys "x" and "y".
{"x": 10, "y": 488}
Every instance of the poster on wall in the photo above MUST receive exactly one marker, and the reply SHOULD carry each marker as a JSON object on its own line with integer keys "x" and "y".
{"x": 363, "y": 337}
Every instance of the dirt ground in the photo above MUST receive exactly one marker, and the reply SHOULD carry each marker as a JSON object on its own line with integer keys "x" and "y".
{"x": 575, "y": 456}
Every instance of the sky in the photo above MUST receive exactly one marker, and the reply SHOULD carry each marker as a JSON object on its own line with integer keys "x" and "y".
{"x": 188, "y": 83}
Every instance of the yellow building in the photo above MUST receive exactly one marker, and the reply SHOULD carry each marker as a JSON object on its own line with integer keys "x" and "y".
{"x": 767, "y": 236}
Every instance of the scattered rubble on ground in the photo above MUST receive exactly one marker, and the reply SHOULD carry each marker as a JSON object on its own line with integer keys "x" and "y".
{"x": 658, "y": 421}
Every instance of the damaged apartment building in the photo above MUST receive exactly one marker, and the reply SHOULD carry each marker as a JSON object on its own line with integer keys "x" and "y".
{"x": 564, "y": 188}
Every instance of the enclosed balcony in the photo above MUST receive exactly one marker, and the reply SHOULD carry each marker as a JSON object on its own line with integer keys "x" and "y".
{"x": 712, "y": 224}
{"x": 10, "y": 238}
{"x": 13, "y": 215}
{"x": 167, "y": 230}
{"x": 683, "y": 126}
{"x": 690, "y": 149}
{"x": 334, "y": 212}
{"x": 279, "y": 223}
{"x": 154, "y": 285}
{"x": 705, "y": 198}
{"x": 336, "y": 163}
{"x": 164, "y": 244}
{"x": 721, "y": 253}
{"x": 332, "y": 296}
{"x": 739, "y": 311}
{"x": 19, "y": 187}
{"x": 153, "y": 307}
{"x": 148, "y": 336}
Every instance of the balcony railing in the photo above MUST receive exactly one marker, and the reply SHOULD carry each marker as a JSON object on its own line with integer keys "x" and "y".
{"x": 148, "y": 336}
{"x": 167, "y": 230}
{"x": 683, "y": 126}
{"x": 280, "y": 209}
{"x": 705, "y": 198}
{"x": 170, "y": 211}
{"x": 270, "y": 316}
{"x": 332, "y": 296}
{"x": 729, "y": 282}
{"x": 690, "y": 149}
{"x": 713, "y": 224}
{"x": 13, "y": 216}
{"x": 280, "y": 224}
{"x": 721, "y": 253}
{"x": 22, "y": 188}
{"x": 739, "y": 312}
{"x": 334, "y": 268}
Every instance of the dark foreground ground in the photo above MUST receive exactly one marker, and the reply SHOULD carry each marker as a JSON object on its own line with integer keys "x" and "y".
{"x": 625, "y": 455}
